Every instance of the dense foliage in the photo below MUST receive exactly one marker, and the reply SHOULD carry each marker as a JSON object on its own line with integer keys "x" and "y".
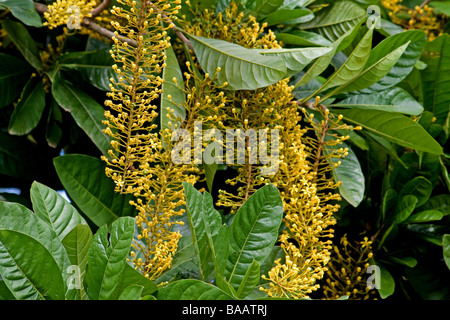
{"x": 118, "y": 178}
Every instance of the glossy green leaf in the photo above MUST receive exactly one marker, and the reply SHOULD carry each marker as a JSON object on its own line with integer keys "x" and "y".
{"x": 130, "y": 277}
{"x": 5, "y": 294}
{"x": 28, "y": 111}
{"x": 441, "y": 7}
{"x": 14, "y": 73}
{"x": 133, "y": 292}
{"x": 205, "y": 223}
{"x": 51, "y": 207}
{"x": 395, "y": 128}
{"x": 303, "y": 39}
{"x": 84, "y": 179}
{"x": 250, "y": 280}
{"x": 86, "y": 111}
{"x": 390, "y": 100}
{"x": 173, "y": 89}
{"x": 28, "y": 268}
{"x": 285, "y": 15}
{"x": 191, "y": 289}
{"x": 350, "y": 174}
{"x": 253, "y": 232}
{"x": 436, "y": 76}
{"x": 53, "y": 130}
{"x": 19, "y": 35}
{"x": 16, "y": 220}
{"x": 296, "y": 59}
{"x": 419, "y": 187}
{"x": 446, "y": 249}
{"x": 241, "y": 68}
{"x": 24, "y": 11}
{"x": 95, "y": 67}
{"x": 425, "y": 216}
{"x": 404, "y": 208}
{"x": 263, "y": 8}
{"x": 371, "y": 74}
{"x": 107, "y": 258}
{"x": 77, "y": 243}
{"x": 335, "y": 20}
{"x": 440, "y": 202}
{"x": 387, "y": 282}
{"x": 406, "y": 63}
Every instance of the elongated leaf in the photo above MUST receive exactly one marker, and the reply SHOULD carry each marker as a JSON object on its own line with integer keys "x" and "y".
{"x": 350, "y": 175}
{"x": 77, "y": 243}
{"x": 174, "y": 90}
{"x": 29, "y": 270}
{"x": 436, "y": 78}
{"x": 51, "y": 207}
{"x": 446, "y": 249}
{"x": 440, "y": 202}
{"x": 133, "y": 292}
{"x": 262, "y": 8}
{"x": 107, "y": 258}
{"x": 250, "y": 280}
{"x": 394, "y": 127}
{"x": 285, "y": 15}
{"x": 191, "y": 289}
{"x": 390, "y": 100}
{"x": 24, "y": 42}
{"x": 425, "y": 216}
{"x": 336, "y": 20}
{"x": 5, "y": 294}
{"x": 354, "y": 64}
{"x": 405, "y": 207}
{"x": 241, "y": 68}
{"x": 419, "y": 187}
{"x": 28, "y": 111}
{"x": 404, "y": 65}
{"x": 253, "y": 232}
{"x": 130, "y": 277}
{"x": 373, "y": 73}
{"x": 24, "y": 11}
{"x": 14, "y": 73}
{"x": 84, "y": 179}
{"x": 94, "y": 66}
{"x": 87, "y": 113}
{"x": 303, "y": 38}
{"x": 296, "y": 59}
{"x": 387, "y": 282}
{"x": 205, "y": 223}
{"x": 16, "y": 218}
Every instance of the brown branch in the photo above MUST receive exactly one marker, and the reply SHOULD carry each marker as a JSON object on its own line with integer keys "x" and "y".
{"x": 104, "y": 5}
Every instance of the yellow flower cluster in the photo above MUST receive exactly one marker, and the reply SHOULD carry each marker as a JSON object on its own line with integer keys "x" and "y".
{"x": 346, "y": 275}
{"x": 305, "y": 155}
{"x": 139, "y": 161}
{"x": 64, "y": 12}
{"x": 422, "y": 18}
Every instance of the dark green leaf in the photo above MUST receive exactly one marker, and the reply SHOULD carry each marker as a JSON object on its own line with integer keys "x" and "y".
{"x": 14, "y": 73}
{"x": 19, "y": 35}
{"x": 387, "y": 283}
{"x": 263, "y": 8}
{"x": 130, "y": 277}
{"x": 285, "y": 15}
{"x": 250, "y": 280}
{"x": 419, "y": 187}
{"x": 84, "y": 179}
{"x": 446, "y": 249}
{"x": 191, "y": 289}
{"x": 28, "y": 111}
{"x": 132, "y": 292}
{"x": 24, "y": 11}
{"x": 303, "y": 38}
{"x": 440, "y": 202}
{"x": 425, "y": 216}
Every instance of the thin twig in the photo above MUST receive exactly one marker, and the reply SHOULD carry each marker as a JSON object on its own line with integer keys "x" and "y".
{"x": 104, "y": 5}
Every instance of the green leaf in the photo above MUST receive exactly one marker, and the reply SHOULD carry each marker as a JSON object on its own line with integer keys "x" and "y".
{"x": 419, "y": 187}
{"x": 53, "y": 130}
{"x": 285, "y": 15}
{"x": 253, "y": 232}
{"x": 262, "y": 8}
{"x": 84, "y": 179}
{"x": 174, "y": 90}
{"x": 191, "y": 289}
{"x": 405, "y": 206}
{"x": 130, "y": 277}
{"x": 19, "y": 35}
{"x": 387, "y": 283}
{"x": 296, "y": 59}
{"x": 205, "y": 223}
{"x": 395, "y": 128}
{"x": 29, "y": 270}
{"x": 87, "y": 112}
{"x": 350, "y": 174}
{"x": 390, "y": 100}
{"x": 441, "y": 7}
{"x": 335, "y": 20}
{"x": 371, "y": 74}
{"x": 250, "y": 280}
{"x": 440, "y": 202}
{"x": 28, "y": 111}
{"x": 14, "y": 73}
{"x": 303, "y": 39}
{"x": 24, "y": 11}
{"x": 5, "y": 294}
{"x": 95, "y": 67}
{"x": 16, "y": 156}
{"x": 425, "y": 216}
{"x": 16, "y": 220}
{"x": 51, "y": 207}
{"x": 107, "y": 258}
{"x": 133, "y": 292}
{"x": 446, "y": 249}
{"x": 406, "y": 62}
{"x": 77, "y": 243}
{"x": 241, "y": 68}
{"x": 436, "y": 76}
